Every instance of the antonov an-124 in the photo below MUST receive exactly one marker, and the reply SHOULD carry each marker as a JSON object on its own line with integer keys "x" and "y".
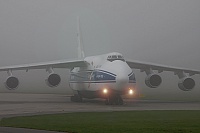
{"x": 107, "y": 76}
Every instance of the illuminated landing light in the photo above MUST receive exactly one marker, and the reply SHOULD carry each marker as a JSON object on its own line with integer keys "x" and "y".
{"x": 105, "y": 91}
{"x": 131, "y": 92}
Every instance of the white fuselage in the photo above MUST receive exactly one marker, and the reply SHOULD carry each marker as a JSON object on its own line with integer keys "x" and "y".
{"x": 101, "y": 73}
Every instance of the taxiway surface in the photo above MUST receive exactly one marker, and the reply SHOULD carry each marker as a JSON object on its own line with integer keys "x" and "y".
{"x": 14, "y": 104}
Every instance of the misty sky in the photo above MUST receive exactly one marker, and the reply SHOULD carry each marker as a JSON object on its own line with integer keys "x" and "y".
{"x": 159, "y": 31}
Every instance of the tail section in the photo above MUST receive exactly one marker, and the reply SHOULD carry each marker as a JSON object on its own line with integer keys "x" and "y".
{"x": 81, "y": 53}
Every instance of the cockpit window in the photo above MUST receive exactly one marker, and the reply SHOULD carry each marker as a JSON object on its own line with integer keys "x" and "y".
{"x": 119, "y": 56}
{"x": 115, "y": 57}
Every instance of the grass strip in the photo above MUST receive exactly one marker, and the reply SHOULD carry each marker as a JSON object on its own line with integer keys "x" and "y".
{"x": 112, "y": 122}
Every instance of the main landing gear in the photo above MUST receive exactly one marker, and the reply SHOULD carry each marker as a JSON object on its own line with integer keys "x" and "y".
{"x": 76, "y": 98}
{"x": 116, "y": 99}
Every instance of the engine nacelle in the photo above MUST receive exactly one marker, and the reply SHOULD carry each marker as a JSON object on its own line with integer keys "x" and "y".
{"x": 53, "y": 80}
{"x": 12, "y": 83}
{"x": 153, "y": 80}
{"x": 186, "y": 84}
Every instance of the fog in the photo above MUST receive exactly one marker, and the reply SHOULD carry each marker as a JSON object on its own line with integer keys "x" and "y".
{"x": 158, "y": 31}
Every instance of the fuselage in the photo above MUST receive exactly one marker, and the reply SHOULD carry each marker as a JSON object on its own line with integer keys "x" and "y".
{"x": 104, "y": 74}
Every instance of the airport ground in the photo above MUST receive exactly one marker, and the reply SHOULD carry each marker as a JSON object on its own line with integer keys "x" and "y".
{"x": 14, "y": 104}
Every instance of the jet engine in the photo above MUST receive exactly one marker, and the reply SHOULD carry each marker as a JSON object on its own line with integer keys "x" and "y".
{"x": 53, "y": 80}
{"x": 12, "y": 82}
{"x": 153, "y": 80}
{"x": 186, "y": 84}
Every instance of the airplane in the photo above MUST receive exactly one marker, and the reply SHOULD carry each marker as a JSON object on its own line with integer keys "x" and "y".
{"x": 107, "y": 76}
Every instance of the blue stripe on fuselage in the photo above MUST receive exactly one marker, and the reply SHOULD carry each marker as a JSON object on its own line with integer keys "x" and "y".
{"x": 106, "y": 72}
{"x": 102, "y": 81}
{"x": 97, "y": 76}
{"x": 92, "y": 76}
{"x": 132, "y": 78}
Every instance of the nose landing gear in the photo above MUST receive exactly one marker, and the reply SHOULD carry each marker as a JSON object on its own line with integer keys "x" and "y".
{"x": 76, "y": 98}
{"x": 114, "y": 100}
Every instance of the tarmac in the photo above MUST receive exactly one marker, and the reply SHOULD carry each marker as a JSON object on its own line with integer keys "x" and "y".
{"x": 15, "y": 104}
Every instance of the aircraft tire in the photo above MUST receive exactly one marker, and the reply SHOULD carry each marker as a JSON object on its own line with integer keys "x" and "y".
{"x": 106, "y": 102}
{"x": 114, "y": 100}
{"x": 120, "y": 101}
{"x": 117, "y": 100}
{"x": 76, "y": 98}
{"x": 109, "y": 101}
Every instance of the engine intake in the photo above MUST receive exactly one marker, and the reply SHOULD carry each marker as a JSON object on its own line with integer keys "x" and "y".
{"x": 186, "y": 84}
{"x": 153, "y": 80}
{"x": 53, "y": 80}
{"x": 12, "y": 83}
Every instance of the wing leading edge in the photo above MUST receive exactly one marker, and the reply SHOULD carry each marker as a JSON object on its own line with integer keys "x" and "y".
{"x": 46, "y": 65}
{"x": 146, "y": 66}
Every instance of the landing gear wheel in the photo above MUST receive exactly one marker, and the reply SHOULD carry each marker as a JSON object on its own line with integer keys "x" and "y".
{"x": 109, "y": 101}
{"x": 114, "y": 100}
{"x": 120, "y": 101}
{"x": 106, "y": 102}
{"x": 76, "y": 98}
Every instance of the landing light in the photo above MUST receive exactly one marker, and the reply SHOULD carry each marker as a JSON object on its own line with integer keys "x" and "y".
{"x": 105, "y": 91}
{"x": 131, "y": 92}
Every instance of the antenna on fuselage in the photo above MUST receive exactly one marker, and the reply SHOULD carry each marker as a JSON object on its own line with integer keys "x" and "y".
{"x": 81, "y": 53}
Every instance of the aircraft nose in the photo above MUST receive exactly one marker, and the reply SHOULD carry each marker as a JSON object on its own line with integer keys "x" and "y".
{"x": 121, "y": 81}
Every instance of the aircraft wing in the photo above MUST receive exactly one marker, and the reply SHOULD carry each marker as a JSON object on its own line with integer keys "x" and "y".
{"x": 143, "y": 66}
{"x": 46, "y": 65}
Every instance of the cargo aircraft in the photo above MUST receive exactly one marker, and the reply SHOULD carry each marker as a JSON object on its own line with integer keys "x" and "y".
{"x": 107, "y": 76}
